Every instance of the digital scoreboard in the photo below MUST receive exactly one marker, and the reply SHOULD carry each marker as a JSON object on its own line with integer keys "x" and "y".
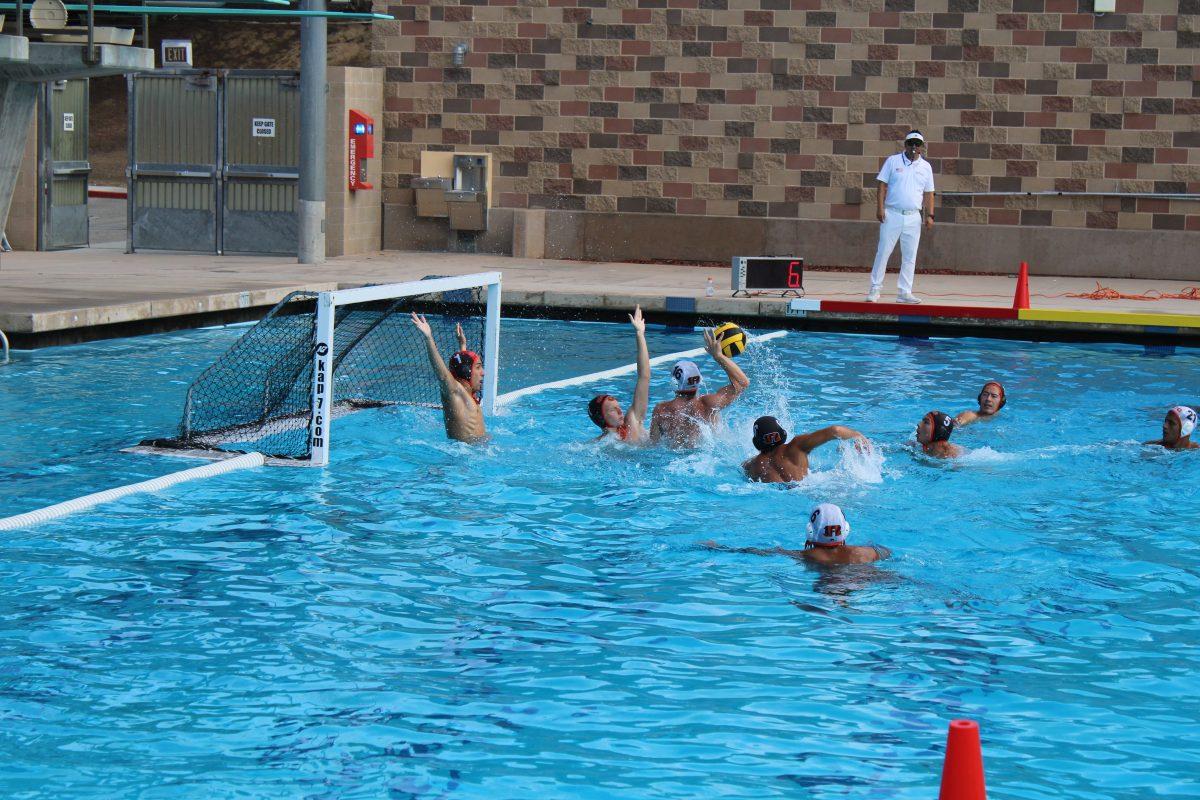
{"x": 761, "y": 274}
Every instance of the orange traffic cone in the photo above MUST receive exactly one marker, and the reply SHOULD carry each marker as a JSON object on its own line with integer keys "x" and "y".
{"x": 962, "y": 771}
{"x": 1021, "y": 298}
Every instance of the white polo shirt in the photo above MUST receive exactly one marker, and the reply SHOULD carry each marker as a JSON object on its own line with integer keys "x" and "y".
{"x": 907, "y": 181}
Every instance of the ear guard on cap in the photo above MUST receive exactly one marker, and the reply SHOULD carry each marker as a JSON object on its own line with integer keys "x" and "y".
{"x": 768, "y": 434}
{"x": 827, "y": 526}
{"x": 1187, "y": 420}
{"x": 998, "y": 385}
{"x": 460, "y": 364}
{"x": 596, "y": 409}
{"x": 687, "y": 376}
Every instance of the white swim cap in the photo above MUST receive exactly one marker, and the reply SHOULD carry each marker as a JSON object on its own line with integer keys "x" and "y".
{"x": 828, "y": 526}
{"x": 687, "y": 376}
{"x": 1187, "y": 420}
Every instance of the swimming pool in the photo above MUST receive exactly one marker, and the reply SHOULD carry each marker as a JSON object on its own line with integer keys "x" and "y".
{"x": 535, "y": 619}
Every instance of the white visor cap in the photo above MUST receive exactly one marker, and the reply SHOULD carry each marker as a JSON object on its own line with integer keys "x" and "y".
{"x": 915, "y": 135}
{"x": 687, "y": 376}
{"x": 828, "y": 525}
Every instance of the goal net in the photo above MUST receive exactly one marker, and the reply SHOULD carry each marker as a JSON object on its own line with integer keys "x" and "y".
{"x": 318, "y": 356}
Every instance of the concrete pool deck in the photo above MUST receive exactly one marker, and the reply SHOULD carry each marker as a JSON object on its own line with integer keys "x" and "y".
{"x": 76, "y": 295}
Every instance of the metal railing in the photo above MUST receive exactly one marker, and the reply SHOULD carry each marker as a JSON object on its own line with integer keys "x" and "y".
{"x": 3, "y": 349}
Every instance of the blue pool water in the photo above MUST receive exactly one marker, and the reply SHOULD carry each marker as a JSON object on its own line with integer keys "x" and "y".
{"x": 535, "y": 618}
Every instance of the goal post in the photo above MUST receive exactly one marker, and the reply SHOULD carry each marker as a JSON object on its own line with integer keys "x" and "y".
{"x": 325, "y": 349}
{"x": 318, "y": 356}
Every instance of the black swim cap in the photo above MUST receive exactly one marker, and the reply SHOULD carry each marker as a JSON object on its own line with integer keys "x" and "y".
{"x": 461, "y": 364}
{"x": 596, "y": 409}
{"x": 768, "y": 434}
{"x": 943, "y": 424}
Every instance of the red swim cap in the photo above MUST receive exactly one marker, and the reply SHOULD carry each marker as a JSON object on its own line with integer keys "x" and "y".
{"x": 998, "y": 385}
{"x": 461, "y": 364}
{"x": 596, "y": 409}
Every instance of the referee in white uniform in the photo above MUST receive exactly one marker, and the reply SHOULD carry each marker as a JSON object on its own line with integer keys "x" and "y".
{"x": 905, "y": 195}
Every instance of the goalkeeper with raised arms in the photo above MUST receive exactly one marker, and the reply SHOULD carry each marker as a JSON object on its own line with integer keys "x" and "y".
{"x": 460, "y": 381}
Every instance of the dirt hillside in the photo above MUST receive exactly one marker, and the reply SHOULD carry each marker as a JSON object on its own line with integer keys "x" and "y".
{"x": 216, "y": 43}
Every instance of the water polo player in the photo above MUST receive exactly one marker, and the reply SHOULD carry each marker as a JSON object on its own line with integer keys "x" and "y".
{"x": 680, "y": 422}
{"x": 460, "y": 383}
{"x": 1177, "y": 429}
{"x": 783, "y": 461}
{"x": 991, "y": 399}
{"x": 933, "y": 434}
{"x": 604, "y": 409}
{"x": 824, "y": 545}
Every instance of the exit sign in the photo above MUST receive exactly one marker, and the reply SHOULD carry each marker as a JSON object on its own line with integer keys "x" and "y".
{"x": 176, "y": 53}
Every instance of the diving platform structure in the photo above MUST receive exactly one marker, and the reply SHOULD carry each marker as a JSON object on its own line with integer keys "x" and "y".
{"x": 24, "y": 65}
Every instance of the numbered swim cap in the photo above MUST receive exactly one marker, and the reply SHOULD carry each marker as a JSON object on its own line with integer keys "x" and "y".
{"x": 1187, "y": 420}
{"x": 687, "y": 376}
{"x": 461, "y": 364}
{"x": 827, "y": 526}
{"x": 768, "y": 434}
{"x": 943, "y": 424}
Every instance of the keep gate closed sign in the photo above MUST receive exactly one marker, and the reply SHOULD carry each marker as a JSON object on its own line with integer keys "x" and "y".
{"x": 263, "y": 127}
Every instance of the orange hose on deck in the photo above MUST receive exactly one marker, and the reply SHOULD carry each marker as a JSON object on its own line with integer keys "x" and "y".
{"x": 1105, "y": 293}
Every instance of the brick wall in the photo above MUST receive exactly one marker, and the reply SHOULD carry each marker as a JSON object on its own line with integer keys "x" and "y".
{"x": 786, "y": 108}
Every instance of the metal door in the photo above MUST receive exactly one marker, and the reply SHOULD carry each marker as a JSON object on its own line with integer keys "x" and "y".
{"x": 63, "y": 156}
{"x": 174, "y": 177}
{"x": 261, "y": 171}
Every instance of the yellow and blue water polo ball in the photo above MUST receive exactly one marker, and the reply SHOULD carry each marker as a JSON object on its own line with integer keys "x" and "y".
{"x": 732, "y": 339}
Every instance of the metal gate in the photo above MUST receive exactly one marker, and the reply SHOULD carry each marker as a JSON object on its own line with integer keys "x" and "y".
{"x": 261, "y": 171}
{"x": 214, "y": 161}
{"x": 174, "y": 123}
{"x": 63, "y": 156}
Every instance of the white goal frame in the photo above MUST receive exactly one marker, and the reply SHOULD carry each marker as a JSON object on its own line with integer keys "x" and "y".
{"x": 327, "y": 304}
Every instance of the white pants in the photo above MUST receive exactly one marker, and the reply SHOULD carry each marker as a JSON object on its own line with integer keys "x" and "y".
{"x": 906, "y": 228}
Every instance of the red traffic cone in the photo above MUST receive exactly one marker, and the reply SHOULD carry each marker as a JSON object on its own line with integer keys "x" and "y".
{"x": 1021, "y": 298}
{"x": 962, "y": 771}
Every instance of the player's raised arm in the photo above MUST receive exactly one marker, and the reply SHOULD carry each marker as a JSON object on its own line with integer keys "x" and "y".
{"x": 811, "y": 441}
{"x": 435, "y": 358}
{"x": 641, "y": 392}
{"x": 738, "y": 382}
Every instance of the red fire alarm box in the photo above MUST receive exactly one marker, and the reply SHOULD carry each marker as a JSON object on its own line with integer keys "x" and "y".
{"x": 361, "y": 147}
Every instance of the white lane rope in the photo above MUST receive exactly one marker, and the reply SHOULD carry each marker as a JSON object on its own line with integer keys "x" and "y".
{"x": 247, "y": 461}
{"x": 509, "y": 397}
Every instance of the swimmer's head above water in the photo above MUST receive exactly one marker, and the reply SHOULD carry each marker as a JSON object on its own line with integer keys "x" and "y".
{"x": 687, "y": 377}
{"x": 991, "y": 398}
{"x": 1178, "y": 425}
{"x": 768, "y": 434}
{"x": 605, "y": 411}
{"x": 467, "y": 367}
{"x": 827, "y": 527}
{"x": 934, "y": 427}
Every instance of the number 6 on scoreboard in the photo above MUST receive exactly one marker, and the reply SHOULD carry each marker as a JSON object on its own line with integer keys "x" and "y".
{"x": 794, "y": 275}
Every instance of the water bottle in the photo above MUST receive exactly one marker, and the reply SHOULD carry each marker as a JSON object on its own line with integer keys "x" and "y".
{"x": 709, "y": 289}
